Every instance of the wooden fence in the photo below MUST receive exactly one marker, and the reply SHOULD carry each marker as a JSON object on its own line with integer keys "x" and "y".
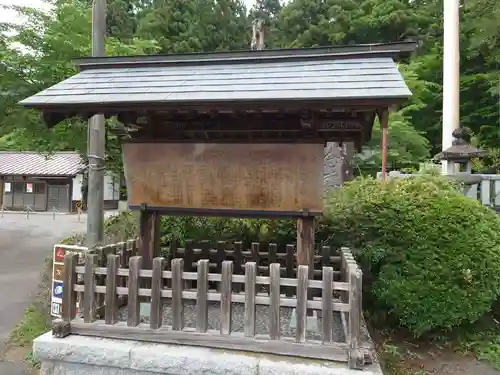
{"x": 176, "y": 286}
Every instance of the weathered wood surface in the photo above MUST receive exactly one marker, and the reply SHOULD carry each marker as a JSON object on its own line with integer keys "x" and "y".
{"x": 201, "y": 289}
{"x": 111, "y": 300}
{"x": 201, "y": 297}
{"x": 225, "y": 297}
{"x": 256, "y": 177}
{"x": 301, "y": 311}
{"x": 250, "y": 279}
{"x": 69, "y": 294}
{"x": 157, "y": 281}
{"x": 134, "y": 305}
{"x": 177, "y": 287}
{"x": 89, "y": 296}
{"x": 213, "y": 339}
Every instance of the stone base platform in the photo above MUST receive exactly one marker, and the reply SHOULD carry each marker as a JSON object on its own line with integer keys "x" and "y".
{"x": 79, "y": 355}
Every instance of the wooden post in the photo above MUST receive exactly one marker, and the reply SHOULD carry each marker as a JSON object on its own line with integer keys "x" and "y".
{"x": 274, "y": 306}
{"x": 305, "y": 248}
{"x": 149, "y": 237}
{"x": 355, "y": 313}
{"x": 383, "y": 116}
{"x": 250, "y": 277}
{"x": 156, "y": 313}
{"x": 111, "y": 306}
{"x": 201, "y": 297}
{"x": 305, "y": 242}
{"x": 133, "y": 304}
{"x": 89, "y": 303}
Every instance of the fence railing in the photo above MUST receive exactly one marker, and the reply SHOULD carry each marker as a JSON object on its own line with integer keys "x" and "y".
{"x": 235, "y": 298}
{"x": 263, "y": 254}
{"x": 487, "y": 191}
{"x": 125, "y": 249}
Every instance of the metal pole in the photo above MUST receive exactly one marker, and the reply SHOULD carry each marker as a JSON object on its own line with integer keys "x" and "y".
{"x": 451, "y": 75}
{"x": 96, "y": 140}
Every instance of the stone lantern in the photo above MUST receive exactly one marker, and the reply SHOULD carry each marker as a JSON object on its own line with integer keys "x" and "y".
{"x": 460, "y": 155}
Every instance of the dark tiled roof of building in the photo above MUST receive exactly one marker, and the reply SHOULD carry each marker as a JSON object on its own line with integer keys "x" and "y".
{"x": 270, "y": 76}
{"x": 35, "y": 164}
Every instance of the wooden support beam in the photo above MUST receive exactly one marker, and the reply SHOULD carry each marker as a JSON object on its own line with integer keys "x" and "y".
{"x": 305, "y": 247}
{"x": 149, "y": 237}
{"x": 383, "y": 116}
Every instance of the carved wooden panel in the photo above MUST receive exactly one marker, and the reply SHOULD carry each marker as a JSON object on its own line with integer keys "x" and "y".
{"x": 255, "y": 177}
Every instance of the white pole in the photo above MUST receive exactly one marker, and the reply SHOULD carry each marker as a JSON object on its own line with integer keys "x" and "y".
{"x": 451, "y": 76}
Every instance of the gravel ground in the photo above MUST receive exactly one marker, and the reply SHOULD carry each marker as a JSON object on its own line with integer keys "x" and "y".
{"x": 238, "y": 309}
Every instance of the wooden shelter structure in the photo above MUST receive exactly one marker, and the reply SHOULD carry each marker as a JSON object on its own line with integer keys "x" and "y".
{"x": 233, "y": 133}
{"x": 238, "y": 134}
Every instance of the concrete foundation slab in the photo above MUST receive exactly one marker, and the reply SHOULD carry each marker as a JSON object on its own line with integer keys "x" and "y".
{"x": 75, "y": 355}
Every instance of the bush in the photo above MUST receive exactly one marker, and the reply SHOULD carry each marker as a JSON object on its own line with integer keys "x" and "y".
{"x": 431, "y": 256}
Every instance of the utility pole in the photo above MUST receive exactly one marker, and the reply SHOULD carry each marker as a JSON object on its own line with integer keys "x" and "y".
{"x": 96, "y": 140}
{"x": 451, "y": 76}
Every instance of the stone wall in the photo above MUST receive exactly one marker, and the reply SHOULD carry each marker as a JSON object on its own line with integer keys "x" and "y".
{"x": 79, "y": 355}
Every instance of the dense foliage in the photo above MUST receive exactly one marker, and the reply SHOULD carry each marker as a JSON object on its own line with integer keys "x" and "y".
{"x": 431, "y": 256}
{"x": 37, "y": 53}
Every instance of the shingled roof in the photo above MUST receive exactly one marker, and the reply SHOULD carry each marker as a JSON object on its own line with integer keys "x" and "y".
{"x": 35, "y": 164}
{"x": 272, "y": 76}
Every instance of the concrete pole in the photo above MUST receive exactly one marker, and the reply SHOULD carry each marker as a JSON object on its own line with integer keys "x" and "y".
{"x": 96, "y": 140}
{"x": 451, "y": 76}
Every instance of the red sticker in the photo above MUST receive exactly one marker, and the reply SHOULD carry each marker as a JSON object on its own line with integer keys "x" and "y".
{"x": 60, "y": 255}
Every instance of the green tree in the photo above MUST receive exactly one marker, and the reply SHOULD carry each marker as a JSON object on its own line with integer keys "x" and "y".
{"x": 196, "y": 25}
{"x": 37, "y": 54}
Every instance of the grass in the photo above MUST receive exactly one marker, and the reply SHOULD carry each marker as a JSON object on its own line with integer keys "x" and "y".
{"x": 483, "y": 339}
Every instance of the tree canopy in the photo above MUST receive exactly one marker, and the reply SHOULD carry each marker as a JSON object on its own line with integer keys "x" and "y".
{"x": 37, "y": 53}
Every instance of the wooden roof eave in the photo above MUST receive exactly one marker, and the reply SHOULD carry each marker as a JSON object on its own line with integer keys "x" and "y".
{"x": 57, "y": 112}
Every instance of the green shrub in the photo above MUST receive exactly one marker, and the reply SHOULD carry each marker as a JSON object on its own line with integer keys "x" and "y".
{"x": 431, "y": 256}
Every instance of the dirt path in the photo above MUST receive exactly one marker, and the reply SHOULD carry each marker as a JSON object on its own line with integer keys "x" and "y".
{"x": 451, "y": 363}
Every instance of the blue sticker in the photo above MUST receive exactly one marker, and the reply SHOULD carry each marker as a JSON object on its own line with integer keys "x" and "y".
{"x": 58, "y": 290}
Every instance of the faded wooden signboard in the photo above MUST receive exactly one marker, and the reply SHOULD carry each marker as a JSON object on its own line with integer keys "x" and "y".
{"x": 253, "y": 177}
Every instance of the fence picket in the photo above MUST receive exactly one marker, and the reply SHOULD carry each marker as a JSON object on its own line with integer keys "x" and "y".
{"x": 201, "y": 297}
{"x": 225, "y": 297}
{"x": 177, "y": 304}
{"x": 289, "y": 268}
{"x": 272, "y": 251}
{"x": 156, "y": 313}
{"x": 355, "y": 286}
{"x": 325, "y": 256}
{"x": 274, "y": 308}
{"x": 111, "y": 299}
{"x": 205, "y": 249}
{"x": 69, "y": 294}
{"x": 326, "y": 313}
{"x": 238, "y": 261}
{"x": 188, "y": 261}
{"x": 301, "y": 310}
{"x": 89, "y": 302}
{"x": 134, "y": 305}
{"x": 250, "y": 277}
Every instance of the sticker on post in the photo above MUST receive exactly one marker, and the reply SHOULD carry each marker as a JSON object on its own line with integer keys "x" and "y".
{"x": 58, "y": 290}
{"x": 56, "y": 309}
{"x": 59, "y": 255}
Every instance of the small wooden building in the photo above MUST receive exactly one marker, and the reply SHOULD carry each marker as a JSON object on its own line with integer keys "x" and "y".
{"x": 238, "y": 134}
{"x": 30, "y": 180}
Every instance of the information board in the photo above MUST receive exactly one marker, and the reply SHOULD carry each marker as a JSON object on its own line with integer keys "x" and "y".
{"x": 60, "y": 251}
{"x": 253, "y": 177}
